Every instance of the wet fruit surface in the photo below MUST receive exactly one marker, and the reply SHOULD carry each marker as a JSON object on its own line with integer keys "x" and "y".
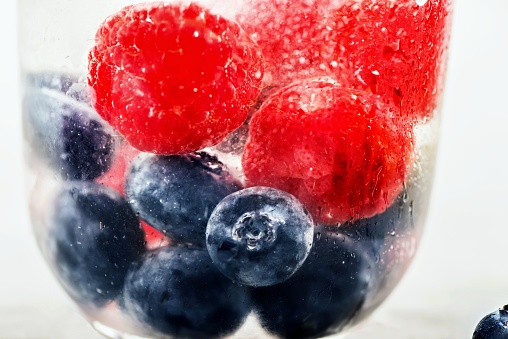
{"x": 65, "y": 130}
{"x": 395, "y": 49}
{"x": 259, "y": 236}
{"x": 295, "y": 37}
{"x": 94, "y": 237}
{"x": 323, "y": 296}
{"x": 233, "y": 165}
{"x": 176, "y": 194}
{"x": 340, "y": 151}
{"x": 493, "y": 325}
{"x": 173, "y": 78}
{"x": 178, "y": 291}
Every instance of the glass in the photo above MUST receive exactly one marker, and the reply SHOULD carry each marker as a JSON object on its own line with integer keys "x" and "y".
{"x": 230, "y": 168}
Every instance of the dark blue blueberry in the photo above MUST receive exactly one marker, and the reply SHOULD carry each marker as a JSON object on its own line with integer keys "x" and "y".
{"x": 177, "y": 291}
{"x": 93, "y": 238}
{"x": 405, "y": 215}
{"x": 259, "y": 236}
{"x": 493, "y": 325}
{"x": 351, "y": 269}
{"x": 399, "y": 217}
{"x": 64, "y": 130}
{"x": 323, "y": 296}
{"x": 176, "y": 194}
{"x": 389, "y": 239}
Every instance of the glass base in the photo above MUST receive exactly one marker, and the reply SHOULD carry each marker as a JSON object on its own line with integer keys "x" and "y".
{"x": 250, "y": 330}
{"x": 109, "y": 332}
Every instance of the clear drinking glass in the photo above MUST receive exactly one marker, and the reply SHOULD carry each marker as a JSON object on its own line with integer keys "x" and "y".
{"x": 233, "y": 168}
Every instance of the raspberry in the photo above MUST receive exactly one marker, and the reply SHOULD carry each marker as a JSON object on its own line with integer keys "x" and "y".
{"x": 173, "y": 78}
{"x": 153, "y": 238}
{"x": 392, "y": 48}
{"x": 294, "y": 36}
{"x": 339, "y": 150}
{"x": 396, "y": 49}
{"x": 115, "y": 176}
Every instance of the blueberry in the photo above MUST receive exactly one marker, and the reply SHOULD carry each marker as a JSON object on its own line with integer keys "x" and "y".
{"x": 405, "y": 215}
{"x": 63, "y": 83}
{"x": 176, "y": 194}
{"x": 64, "y": 130}
{"x": 493, "y": 325}
{"x": 177, "y": 291}
{"x": 259, "y": 236}
{"x": 389, "y": 239}
{"x": 323, "y": 296}
{"x": 93, "y": 238}
{"x": 395, "y": 219}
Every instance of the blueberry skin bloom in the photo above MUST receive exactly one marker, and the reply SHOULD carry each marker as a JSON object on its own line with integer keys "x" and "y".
{"x": 259, "y": 236}
{"x": 64, "y": 130}
{"x": 493, "y": 325}
{"x": 177, "y": 291}
{"x": 176, "y": 194}
{"x": 94, "y": 237}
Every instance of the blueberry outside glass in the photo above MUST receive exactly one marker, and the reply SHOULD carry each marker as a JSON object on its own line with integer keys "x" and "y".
{"x": 230, "y": 168}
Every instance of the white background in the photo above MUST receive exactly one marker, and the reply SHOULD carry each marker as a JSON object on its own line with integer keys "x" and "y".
{"x": 460, "y": 272}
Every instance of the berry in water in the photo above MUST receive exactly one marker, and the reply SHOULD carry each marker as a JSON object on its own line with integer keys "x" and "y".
{"x": 62, "y": 83}
{"x": 338, "y": 150}
{"x": 395, "y": 49}
{"x": 173, "y": 78}
{"x": 259, "y": 236}
{"x": 295, "y": 37}
{"x": 234, "y": 143}
{"x": 323, "y": 296}
{"x": 67, "y": 133}
{"x": 154, "y": 238}
{"x": 177, "y": 291}
{"x": 114, "y": 177}
{"x": 176, "y": 194}
{"x": 493, "y": 325}
{"x": 94, "y": 237}
{"x": 388, "y": 240}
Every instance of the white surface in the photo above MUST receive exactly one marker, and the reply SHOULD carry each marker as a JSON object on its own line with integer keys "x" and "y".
{"x": 460, "y": 272}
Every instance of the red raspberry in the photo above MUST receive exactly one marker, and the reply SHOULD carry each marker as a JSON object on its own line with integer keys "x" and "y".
{"x": 115, "y": 176}
{"x": 173, "y": 78}
{"x": 339, "y": 150}
{"x": 393, "y": 48}
{"x": 295, "y": 36}
{"x": 396, "y": 49}
{"x": 154, "y": 239}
